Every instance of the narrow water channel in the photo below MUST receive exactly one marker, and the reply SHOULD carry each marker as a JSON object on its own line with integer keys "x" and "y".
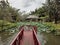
{"x": 6, "y": 37}
{"x": 49, "y": 39}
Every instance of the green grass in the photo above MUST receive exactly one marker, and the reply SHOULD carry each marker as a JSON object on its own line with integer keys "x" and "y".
{"x": 57, "y": 26}
{"x": 4, "y": 22}
{"x": 43, "y": 17}
{"x": 6, "y": 25}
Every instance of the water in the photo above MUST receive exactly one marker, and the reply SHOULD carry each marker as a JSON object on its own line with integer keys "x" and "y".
{"x": 49, "y": 39}
{"x": 3, "y": 37}
{"x": 6, "y": 37}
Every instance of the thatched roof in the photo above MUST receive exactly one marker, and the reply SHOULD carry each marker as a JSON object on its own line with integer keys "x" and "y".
{"x": 32, "y": 16}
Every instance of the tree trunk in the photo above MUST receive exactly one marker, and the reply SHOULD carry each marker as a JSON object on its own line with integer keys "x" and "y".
{"x": 56, "y": 17}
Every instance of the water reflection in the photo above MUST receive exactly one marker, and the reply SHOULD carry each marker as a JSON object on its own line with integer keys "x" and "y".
{"x": 6, "y": 36}
{"x": 49, "y": 39}
{"x": 3, "y": 37}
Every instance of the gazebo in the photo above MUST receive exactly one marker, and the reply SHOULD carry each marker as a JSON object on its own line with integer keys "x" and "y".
{"x": 32, "y": 18}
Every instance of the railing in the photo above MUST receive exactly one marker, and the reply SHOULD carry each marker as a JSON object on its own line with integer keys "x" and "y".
{"x": 35, "y": 28}
{"x": 17, "y": 39}
{"x": 36, "y": 41}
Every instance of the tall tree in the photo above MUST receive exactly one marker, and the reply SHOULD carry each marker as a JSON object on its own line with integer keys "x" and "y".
{"x": 7, "y": 12}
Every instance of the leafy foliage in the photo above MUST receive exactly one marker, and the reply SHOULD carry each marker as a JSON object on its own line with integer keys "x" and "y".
{"x": 40, "y": 26}
{"x": 51, "y": 8}
{"x": 8, "y": 13}
{"x": 7, "y": 25}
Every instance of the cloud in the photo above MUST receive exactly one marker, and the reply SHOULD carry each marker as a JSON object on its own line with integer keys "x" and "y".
{"x": 26, "y": 5}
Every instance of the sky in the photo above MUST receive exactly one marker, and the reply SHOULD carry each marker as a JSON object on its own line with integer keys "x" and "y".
{"x": 26, "y": 5}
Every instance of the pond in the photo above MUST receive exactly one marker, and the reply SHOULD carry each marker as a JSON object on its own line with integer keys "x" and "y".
{"x": 49, "y": 39}
{"x": 6, "y": 37}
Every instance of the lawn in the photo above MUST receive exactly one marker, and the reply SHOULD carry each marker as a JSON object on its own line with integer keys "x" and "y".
{"x": 4, "y": 25}
{"x": 57, "y": 26}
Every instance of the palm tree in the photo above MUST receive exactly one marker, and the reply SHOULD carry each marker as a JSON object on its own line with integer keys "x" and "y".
{"x": 52, "y": 10}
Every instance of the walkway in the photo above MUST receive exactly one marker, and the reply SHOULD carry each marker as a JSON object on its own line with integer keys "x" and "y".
{"x": 27, "y": 38}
